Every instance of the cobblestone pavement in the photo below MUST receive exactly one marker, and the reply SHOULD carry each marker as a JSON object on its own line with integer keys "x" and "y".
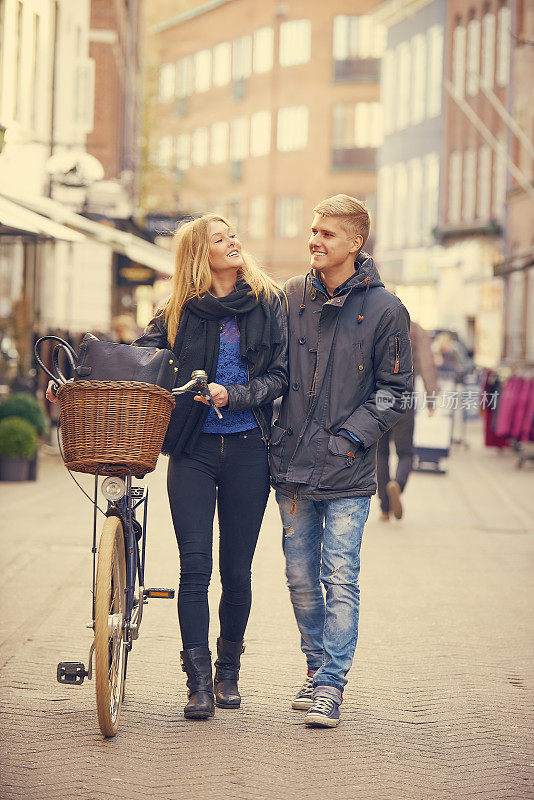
{"x": 440, "y": 698}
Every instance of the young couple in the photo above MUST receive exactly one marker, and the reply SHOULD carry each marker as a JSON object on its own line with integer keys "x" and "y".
{"x": 341, "y": 368}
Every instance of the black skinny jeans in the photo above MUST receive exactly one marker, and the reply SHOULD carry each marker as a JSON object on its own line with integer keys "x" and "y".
{"x": 233, "y": 469}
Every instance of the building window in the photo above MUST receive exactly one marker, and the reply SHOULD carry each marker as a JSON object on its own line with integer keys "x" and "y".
{"x": 18, "y": 61}
{"x": 199, "y": 147}
{"x": 414, "y": 201}
{"x": 434, "y": 70}
{"x": 455, "y": 186}
{"x": 183, "y": 143}
{"x": 295, "y": 42}
{"x": 288, "y": 216}
{"x": 202, "y": 67}
{"x": 458, "y": 60}
{"x": 242, "y": 58}
{"x": 484, "y": 183}
{"x": 292, "y": 132}
{"x": 239, "y": 139}
{"x": 184, "y": 77}
{"x": 430, "y": 196}
{"x": 165, "y": 152}
{"x": 260, "y": 133}
{"x": 222, "y": 64}
{"x": 473, "y": 57}
{"x": 166, "y": 82}
{"x": 403, "y": 85}
{"x": 35, "y": 72}
{"x": 503, "y": 46}
{"x": 389, "y": 90}
{"x": 488, "y": 50}
{"x": 499, "y": 181}
{"x": 470, "y": 183}
{"x": 263, "y": 50}
{"x": 257, "y": 220}
{"x": 399, "y": 210}
{"x": 358, "y": 37}
{"x": 357, "y": 125}
{"x": 234, "y": 213}
{"x": 419, "y": 78}
{"x": 385, "y": 207}
{"x": 219, "y": 143}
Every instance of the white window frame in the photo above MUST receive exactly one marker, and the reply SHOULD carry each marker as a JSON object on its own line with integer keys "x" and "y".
{"x": 430, "y": 196}
{"x": 455, "y": 186}
{"x": 239, "y": 139}
{"x": 288, "y": 223}
{"x": 199, "y": 147}
{"x": 183, "y": 151}
{"x": 419, "y": 79}
{"x": 184, "y": 77}
{"x": 295, "y": 42}
{"x": 488, "y": 50}
{"x": 242, "y": 58}
{"x": 470, "y": 184}
{"x": 384, "y": 219}
{"x": 435, "y": 70}
{"x": 459, "y": 40}
{"x": 257, "y": 217}
{"x": 414, "y": 201}
{"x": 503, "y": 46}
{"x": 165, "y": 152}
{"x": 222, "y": 64}
{"x": 399, "y": 210}
{"x": 262, "y": 54}
{"x": 292, "y": 128}
{"x": 219, "y": 139}
{"x": 202, "y": 71}
{"x": 473, "y": 57}
{"x": 499, "y": 180}
{"x": 388, "y": 94}
{"x": 166, "y": 82}
{"x": 484, "y": 182}
{"x": 260, "y": 133}
{"x": 403, "y": 85}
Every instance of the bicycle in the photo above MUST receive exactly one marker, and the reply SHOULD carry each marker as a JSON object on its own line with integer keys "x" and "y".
{"x": 118, "y": 586}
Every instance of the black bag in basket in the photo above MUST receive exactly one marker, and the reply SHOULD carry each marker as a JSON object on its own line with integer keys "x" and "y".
{"x": 111, "y": 361}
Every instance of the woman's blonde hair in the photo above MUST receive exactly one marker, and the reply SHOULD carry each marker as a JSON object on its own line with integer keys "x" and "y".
{"x": 192, "y": 274}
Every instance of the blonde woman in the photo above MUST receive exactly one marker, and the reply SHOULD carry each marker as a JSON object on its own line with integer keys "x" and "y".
{"x": 227, "y": 317}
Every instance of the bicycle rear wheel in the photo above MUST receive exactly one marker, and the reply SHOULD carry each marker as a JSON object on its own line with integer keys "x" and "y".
{"x": 109, "y": 618}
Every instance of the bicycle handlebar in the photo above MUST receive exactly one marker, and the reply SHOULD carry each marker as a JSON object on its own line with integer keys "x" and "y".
{"x": 199, "y": 385}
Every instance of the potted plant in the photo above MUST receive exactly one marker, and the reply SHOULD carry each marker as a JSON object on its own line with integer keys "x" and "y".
{"x": 22, "y": 404}
{"x": 18, "y": 445}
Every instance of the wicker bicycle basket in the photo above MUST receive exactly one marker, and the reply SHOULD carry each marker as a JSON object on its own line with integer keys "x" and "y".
{"x": 113, "y": 426}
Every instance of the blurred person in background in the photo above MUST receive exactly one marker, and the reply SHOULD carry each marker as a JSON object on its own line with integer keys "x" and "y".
{"x": 227, "y": 317}
{"x": 123, "y": 329}
{"x": 349, "y": 366}
{"x": 389, "y": 491}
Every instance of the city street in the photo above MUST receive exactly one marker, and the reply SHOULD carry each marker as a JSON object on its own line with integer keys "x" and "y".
{"x": 439, "y": 703}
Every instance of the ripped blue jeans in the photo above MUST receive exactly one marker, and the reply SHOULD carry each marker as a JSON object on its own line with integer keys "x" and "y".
{"x": 321, "y": 542}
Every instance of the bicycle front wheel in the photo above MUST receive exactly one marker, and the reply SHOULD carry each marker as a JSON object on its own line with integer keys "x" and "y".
{"x": 109, "y": 617}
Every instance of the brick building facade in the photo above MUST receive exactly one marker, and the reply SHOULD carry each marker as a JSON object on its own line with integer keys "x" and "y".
{"x": 260, "y": 110}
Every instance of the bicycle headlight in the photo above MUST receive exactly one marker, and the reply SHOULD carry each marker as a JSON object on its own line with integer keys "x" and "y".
{"x": 113, "y": 489}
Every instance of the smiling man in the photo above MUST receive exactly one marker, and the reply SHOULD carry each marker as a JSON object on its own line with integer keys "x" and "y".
{"x": 349, "y": 366}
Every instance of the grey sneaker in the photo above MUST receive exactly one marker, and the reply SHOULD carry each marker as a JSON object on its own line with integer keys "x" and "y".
{"x": 324, "y": 712}
{"x": 304, "y": 698}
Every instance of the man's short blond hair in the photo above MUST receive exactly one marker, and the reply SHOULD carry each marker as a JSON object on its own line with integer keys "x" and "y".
{"x": 354, "y": 216}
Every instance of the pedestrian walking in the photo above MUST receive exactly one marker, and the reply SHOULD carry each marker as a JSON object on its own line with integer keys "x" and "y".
{"x": 227, "y": 317}
{"x": 349, "y": 365}
{"x": 389, "y": 491}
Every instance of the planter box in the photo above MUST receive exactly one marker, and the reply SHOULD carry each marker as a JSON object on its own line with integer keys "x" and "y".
{"x": 14, "y": 469}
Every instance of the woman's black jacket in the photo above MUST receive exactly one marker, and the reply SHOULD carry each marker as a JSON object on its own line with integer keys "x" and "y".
{"x": 268, "y": 379}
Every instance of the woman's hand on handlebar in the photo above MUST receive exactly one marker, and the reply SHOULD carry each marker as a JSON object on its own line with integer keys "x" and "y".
{"x": 50, "y": 396}
{"x": 218, "y": 393}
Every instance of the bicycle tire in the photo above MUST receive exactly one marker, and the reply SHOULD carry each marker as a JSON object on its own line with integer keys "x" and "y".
{"x": 109, "y": 618}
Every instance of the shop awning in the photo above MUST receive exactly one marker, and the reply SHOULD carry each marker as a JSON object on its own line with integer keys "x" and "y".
{"x": 519, "y": 261}
{"x": 128, "y": 244}
{"x": 19, "y": 219}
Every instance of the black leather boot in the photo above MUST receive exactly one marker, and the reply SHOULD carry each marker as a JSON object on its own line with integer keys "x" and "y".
{"x": 227, "y": 673}
{"x": 196, "y": 663}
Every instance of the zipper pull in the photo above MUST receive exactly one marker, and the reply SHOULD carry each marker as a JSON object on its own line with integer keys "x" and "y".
{"x": 397, "y": 355}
